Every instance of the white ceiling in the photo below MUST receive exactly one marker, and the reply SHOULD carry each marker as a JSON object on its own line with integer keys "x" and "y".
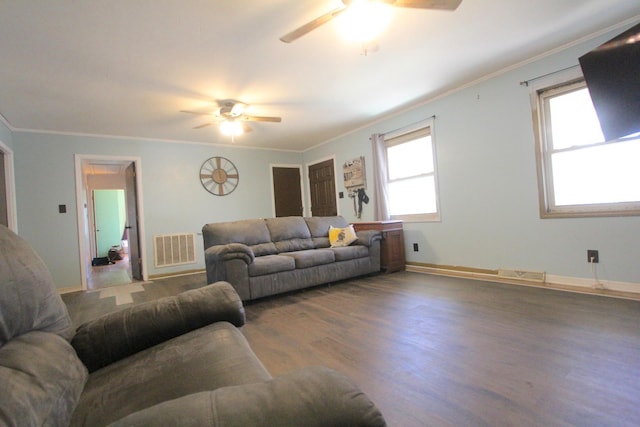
{"x": 126, "y": 67}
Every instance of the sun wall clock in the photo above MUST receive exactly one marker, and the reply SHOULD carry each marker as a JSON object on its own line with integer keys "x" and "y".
{"x": 219, "y": 176}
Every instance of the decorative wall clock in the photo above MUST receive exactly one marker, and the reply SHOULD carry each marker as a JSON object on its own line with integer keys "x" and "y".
{"x": 219, "y": 176}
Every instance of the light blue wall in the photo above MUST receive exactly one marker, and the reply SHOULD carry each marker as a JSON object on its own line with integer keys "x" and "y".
{"x": 174, "y": 200}
{"x": 6, "y": 136}
{"x": 488, "y": 186}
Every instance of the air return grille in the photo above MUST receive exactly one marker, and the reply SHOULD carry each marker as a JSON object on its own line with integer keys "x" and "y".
{"x": 534, "y": 276}
{"x": 174, "y": 249}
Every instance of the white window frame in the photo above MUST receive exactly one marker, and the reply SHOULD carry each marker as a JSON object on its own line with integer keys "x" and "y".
{"x": 540, "y": 91}
{"x": 405, "y": 135}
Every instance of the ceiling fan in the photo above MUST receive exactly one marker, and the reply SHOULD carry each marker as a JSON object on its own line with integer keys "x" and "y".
{"x": 323, "y": 19}
{"x": 231, "y": 116}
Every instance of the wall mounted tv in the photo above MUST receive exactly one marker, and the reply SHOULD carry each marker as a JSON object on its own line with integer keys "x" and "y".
{"x": 612, "y": 74}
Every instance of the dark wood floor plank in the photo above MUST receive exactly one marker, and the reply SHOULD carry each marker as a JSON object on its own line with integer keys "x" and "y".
{"x": 445, "y": 351}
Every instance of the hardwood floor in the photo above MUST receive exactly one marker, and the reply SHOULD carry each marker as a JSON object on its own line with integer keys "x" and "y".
{"x": 443, "y": 351}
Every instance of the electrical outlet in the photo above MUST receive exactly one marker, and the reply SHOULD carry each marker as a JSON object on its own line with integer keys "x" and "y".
{"x": 592, "y": 256}
{"x": 415, "y": 247}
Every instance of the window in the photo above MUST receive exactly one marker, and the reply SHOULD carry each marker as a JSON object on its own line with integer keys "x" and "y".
{"x": 412, "y": 180}
{"x": 580, "y": 173}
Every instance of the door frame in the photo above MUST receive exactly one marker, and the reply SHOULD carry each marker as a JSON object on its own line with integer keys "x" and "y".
{"x": 273, "y": 196}
{"x": 10, "y": 186}
{"x": 335, "y": 178}
{"x": 83, "y": 224}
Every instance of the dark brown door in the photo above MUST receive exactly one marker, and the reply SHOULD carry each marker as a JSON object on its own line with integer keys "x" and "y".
{"x": 322, "y": 189}
{"x": 4, "y": 217}
{"x": 287, "y": 191}
{"x": 132, "y": 222}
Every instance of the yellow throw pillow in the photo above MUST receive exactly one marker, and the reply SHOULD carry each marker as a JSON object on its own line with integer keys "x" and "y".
{"x": 339, "y": 237}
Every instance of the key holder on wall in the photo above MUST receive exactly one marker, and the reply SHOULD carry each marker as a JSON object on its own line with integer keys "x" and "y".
{"x": 355, "y": 180}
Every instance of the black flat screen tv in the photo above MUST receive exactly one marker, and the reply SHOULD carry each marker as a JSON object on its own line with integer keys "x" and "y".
{"x": 612, "y": 74}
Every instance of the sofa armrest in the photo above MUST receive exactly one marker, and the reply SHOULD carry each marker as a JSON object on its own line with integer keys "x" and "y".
{"x": 117, "y": 335}
{"x": 215, "y": 257}
{"x": 367, "y": 237}
{"x": 310, "y": 397}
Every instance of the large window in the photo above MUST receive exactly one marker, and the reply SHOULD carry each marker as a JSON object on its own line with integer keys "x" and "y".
{"x": 580, "y": 173}
{"x": 412, "y": 180}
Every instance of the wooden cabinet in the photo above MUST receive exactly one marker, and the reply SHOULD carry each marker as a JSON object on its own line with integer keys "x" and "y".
{"x": 392, "y": 244}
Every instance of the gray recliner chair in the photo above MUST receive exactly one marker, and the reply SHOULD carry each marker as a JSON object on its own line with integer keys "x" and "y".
{"x": 175, "y": 361}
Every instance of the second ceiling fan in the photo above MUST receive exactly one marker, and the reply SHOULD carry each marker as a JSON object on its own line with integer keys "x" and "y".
{"x": 231, "y": 116}
{"x": 323, "y": 19}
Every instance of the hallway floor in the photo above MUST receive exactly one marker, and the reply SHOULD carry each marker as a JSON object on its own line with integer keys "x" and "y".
{"x": 104, "y": 276}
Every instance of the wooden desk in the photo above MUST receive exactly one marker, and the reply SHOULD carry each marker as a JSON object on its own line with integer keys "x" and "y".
{"x": 392, "y": 244}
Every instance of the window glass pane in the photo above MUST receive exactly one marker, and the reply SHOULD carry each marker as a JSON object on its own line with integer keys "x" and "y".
{"x": 413, "y": 196}
{"x": 410, "y": 158}
{"x": 573, "y": 120}
{"x": 602, "y": 174}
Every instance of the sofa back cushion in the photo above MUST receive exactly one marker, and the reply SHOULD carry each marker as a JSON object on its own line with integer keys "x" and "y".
{"x": 251, "y": 232}
{"x": 28, "y": 298}
{"x": 289, "y": 233}
{"x": 319, "y": 228}
{"x": 42, "y": 379}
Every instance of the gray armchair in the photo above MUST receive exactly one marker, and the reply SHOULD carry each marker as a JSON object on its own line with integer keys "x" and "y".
{"x": 175, "y": 361}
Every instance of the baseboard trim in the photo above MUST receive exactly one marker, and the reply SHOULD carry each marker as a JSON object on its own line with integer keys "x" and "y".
{"x": 69, "y": 289}
{"x": 177, "y": 274}
{"x": 625, "y": 290}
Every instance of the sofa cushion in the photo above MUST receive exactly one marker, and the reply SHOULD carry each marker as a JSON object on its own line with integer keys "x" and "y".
{"x": 289, "y": 233}
{"x": 344, "y": 236}
{"x": 270, "y": 264}
{"x": 311, "y": 257}
{"x": 346, "y": 253}
{"x": 263, "y": 249}
{"x": 251, "y": 232}
{"x": 319, "y": 225}
{"x": 114, "y": 336}
{"x": 28, "y": 298}
{"x": 310, "y": 397}
{"x": 319, "y": 228}
{"x": 42, "y": 379}
{"x": 208, "y": 358}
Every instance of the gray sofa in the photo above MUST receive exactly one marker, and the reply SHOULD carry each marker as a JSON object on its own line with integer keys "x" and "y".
{"x": 175, "y": 361}
{"x": 262, "y": 257}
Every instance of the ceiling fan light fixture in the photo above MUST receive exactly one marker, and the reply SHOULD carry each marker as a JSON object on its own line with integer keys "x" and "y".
{"x": 231, "y": 128}
{"x": 364, "y": 20}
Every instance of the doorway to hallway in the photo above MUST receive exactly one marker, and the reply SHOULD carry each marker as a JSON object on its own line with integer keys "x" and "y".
{"x": 109, "y": 193}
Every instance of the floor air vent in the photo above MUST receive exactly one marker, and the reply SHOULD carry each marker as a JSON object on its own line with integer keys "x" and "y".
{"x": 174, "y": 249}
{"x": 534, "y": 276}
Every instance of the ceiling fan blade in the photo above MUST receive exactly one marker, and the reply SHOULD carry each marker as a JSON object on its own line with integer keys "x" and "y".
{"x": 429, "y": 4}
{"x": 312, "y": 25}
{"x": 262, "y": 119}
{"x": 195, "y": 112}
{"x": 203, "y": 126}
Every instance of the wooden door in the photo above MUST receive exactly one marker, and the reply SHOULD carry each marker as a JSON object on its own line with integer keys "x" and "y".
{"x": 322, "y": 188}
{"x": 287, "y": 191}
{"x": 4, "y": 211}
{"x": 132, "y": 222}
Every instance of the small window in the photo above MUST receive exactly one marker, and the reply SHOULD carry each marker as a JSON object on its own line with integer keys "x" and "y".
{"x": 412, "y": 184}
{"x": 580, "y": 173}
